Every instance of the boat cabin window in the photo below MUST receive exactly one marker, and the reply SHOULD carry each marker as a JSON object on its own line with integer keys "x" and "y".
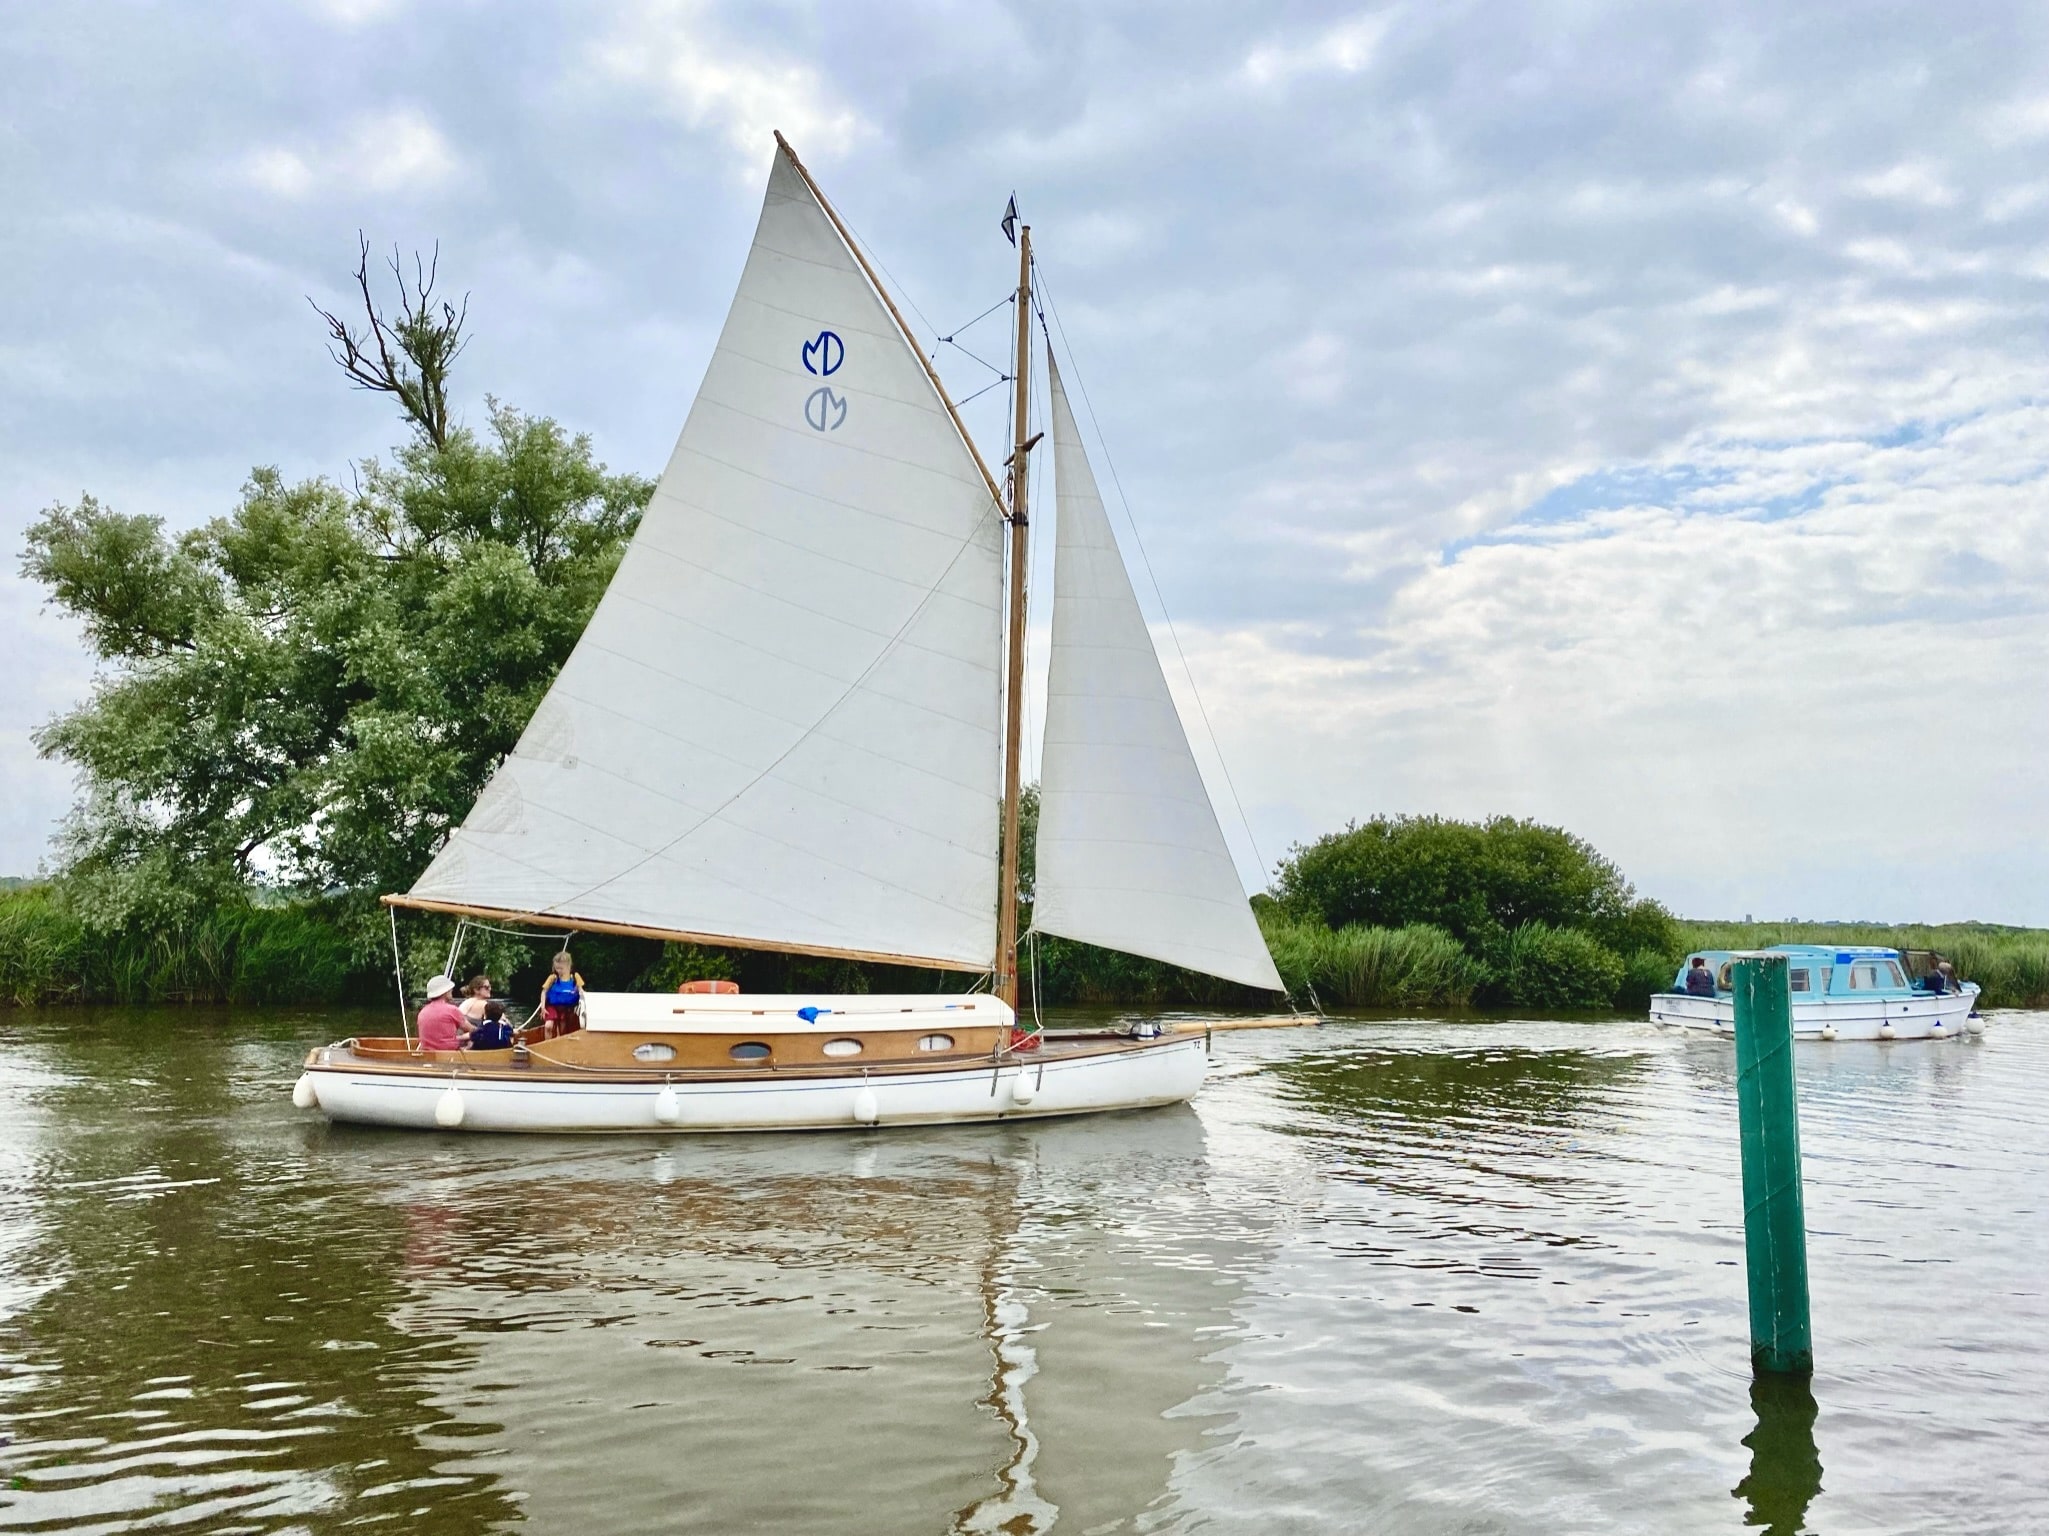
{"x": 841, "y": 1047}
{"x": 935, "y": 1042}
{"x": 1875, "y": 976}
{"x": 654, "y": 1050}
{"x": 1799, "y": 979}
{"x": 749, "y": 1050}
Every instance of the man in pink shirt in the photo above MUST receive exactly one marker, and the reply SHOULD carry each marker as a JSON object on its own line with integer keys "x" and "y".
{"x": 442, "y": 1025}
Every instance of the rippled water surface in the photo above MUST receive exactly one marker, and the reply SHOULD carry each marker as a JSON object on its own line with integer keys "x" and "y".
{"x": 1405, "y": 1277}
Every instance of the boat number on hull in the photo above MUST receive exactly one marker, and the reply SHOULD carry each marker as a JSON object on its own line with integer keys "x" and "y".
{"x": 826, "y": 409}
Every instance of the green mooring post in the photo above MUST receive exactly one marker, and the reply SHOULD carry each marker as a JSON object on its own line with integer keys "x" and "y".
{"x": 1774, "y": 1215}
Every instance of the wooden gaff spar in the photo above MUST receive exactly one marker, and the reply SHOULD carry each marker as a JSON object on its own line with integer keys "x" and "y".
{"x": 794, "y": 722}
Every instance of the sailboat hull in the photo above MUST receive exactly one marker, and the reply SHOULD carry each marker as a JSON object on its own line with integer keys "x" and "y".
{"x": 1063, "y": 1079}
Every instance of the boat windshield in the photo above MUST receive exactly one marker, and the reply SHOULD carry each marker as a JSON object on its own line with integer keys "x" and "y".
{"x": 1876, "y": 976}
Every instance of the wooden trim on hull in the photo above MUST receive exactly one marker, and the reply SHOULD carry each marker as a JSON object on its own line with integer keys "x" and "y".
{"x": 676, "y": 935}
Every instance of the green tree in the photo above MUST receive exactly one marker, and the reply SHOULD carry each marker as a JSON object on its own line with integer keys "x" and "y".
{"x": 1481, "y": 881}
{"x": 311, "y": 690}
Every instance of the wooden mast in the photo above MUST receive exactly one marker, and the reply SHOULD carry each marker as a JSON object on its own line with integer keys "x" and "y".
{"x": 1013, "y": 684}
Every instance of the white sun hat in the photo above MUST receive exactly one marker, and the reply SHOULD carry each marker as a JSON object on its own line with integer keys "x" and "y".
{"x": 440, "y": 986}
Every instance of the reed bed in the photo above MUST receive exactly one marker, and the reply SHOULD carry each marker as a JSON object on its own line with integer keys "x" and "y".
{"x": 49, "y": 953}
{"x": 1360, "y": 967}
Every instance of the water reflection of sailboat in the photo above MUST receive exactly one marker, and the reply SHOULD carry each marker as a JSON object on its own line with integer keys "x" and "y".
{"x": 888, "y": 1336}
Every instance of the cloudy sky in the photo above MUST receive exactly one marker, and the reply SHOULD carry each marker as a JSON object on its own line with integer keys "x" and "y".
{"x": 1632, "y": 417}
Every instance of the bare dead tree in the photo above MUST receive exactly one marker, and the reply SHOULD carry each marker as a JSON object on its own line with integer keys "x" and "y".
{"x": 407, "y": 355}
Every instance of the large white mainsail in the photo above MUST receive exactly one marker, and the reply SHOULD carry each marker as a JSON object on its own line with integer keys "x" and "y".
{"x": 1130, "y": 855}
{"x": 780, "y": 727}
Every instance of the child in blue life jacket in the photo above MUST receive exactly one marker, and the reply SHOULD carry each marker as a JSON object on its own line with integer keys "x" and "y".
{"x": 494, "y": 1032}
{"x": 562, "y": 1002}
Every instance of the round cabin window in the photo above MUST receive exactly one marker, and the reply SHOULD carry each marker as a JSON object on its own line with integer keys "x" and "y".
{"x": 841, "y": 1047}
{"x": 749, "y": 1050}
{"x": 654, "y": 1051}
{"x": 935, "y": 1042}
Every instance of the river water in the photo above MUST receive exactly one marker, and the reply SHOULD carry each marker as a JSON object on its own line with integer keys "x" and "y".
{"x": 1382, "y": 1276}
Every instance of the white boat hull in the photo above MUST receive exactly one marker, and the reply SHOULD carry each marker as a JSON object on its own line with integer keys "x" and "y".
{"x": 1018, "y": 1088}
{"x": 1942, "y": 1016}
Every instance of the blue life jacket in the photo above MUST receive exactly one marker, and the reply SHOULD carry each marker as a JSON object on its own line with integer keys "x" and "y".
{"x": 563, "y": 992}
{"x": 491, "y": 1037}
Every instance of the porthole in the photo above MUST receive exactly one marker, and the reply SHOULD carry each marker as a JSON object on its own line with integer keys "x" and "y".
{"x": 841, "y": 1047}
{"x": 654, "y": 1050}
{"x": 749, "y": 1050}
{"x": 935, "y": 1042}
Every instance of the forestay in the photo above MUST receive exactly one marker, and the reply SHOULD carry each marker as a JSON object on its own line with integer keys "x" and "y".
{"x": 780, "y": 727}
{"x": 1130, "y": 855}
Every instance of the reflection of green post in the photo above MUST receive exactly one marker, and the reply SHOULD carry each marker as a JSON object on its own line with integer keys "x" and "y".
{"x": 1774, "y": 1219}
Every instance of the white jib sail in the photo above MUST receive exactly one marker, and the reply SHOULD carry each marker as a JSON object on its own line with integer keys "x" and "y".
{"x": 780, "y": 727}
{"x": 1130, "y": 855}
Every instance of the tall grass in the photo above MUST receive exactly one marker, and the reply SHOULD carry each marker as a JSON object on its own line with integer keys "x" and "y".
{"x": 237, "y": 952}
{"x": 2010, "y": 964}
{"x": 1358, "y": 967}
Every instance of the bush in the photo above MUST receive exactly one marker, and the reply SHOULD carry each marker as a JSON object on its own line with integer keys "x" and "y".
{"x": 1480, "y": 881}
{"x": 1546, "y": 967}
{"x": 1645, "y": 971}
{"x": 1361, "y": 967}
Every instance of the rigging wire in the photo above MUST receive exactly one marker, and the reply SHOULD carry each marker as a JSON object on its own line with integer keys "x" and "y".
{"x": 1041, "y": 287}
{"x": 398, "y": 970}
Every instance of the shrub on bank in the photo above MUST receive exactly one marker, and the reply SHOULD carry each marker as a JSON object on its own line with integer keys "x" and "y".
{"x": 234, "y": 952}
{"x": 1361, "y": 967}
{"x": 1546, "y": 967}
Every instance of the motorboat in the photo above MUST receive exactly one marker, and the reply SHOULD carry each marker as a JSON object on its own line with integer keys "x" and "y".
{"x": 795, "y": 722}
{"x": 1848, "y": 992}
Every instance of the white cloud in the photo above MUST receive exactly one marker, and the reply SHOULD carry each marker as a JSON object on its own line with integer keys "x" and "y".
{"x": 394, "y": 151}
{"x": 1750, "y": 709}
{"x": 1344, "y": 49}
{"x": 743, "y": 92}
{"x": 355, "y": 13}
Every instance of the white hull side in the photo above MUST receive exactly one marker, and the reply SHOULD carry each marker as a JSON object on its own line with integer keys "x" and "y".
{"x": 1168, "y": 1073}
{"x": 1932, "y": 1017}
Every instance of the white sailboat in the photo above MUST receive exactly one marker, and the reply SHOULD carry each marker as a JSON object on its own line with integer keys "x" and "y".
{"x": 795, "y": 722}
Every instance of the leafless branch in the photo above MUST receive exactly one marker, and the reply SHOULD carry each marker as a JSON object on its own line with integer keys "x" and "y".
{"x": 407, "y": 356}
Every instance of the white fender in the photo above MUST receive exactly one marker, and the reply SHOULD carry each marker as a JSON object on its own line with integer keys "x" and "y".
{"x": 668, "y": 1108}
{"x": 1024, "y": 1087}
{"x": 1886, "y": 1031}
{"x": 448, "y": 1109}
{"x": 304, "y": 1094}
{"x": 1939, "y": 1030}
{"x": 1828, "y": 1031}
{"x": 866, "y": 1110}
{"x": 1974, "y": 1025}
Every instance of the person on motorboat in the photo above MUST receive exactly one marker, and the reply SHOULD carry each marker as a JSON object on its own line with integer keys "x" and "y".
{"x": 562, "y": 1002}
{"x": 1941, "y": 979}
{"x": 1700, "y": 981}
{"x": 441, "y": 1024}
{"x": 493, "y": 1031}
